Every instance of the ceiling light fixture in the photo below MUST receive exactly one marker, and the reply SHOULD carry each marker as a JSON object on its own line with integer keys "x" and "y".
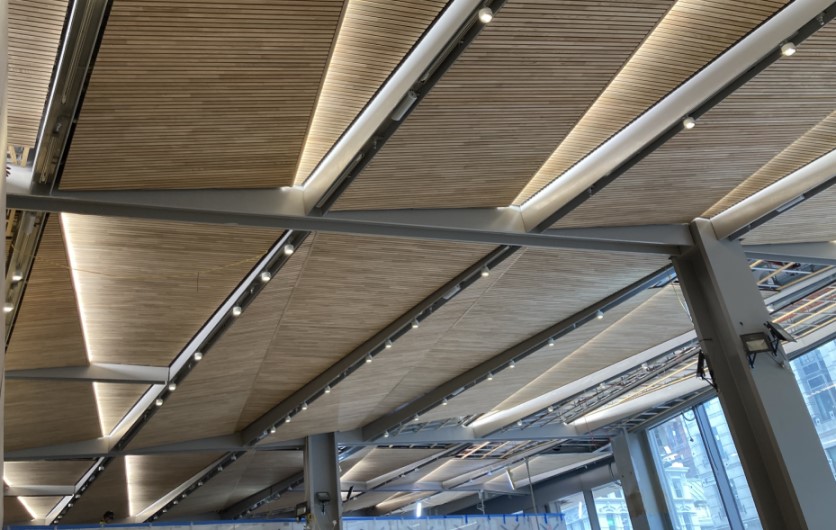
{"x": 550, "y": 409}
{"x": 388, "y": 344}
{"x": 198, "y": 355}
{"x": 485, "y": 271}
{"x": 551, "y": 342}
{"x": 787, "y": 49}
{"x": 490, "y": 376}
{"x": 237, "y": 310}
{"x": 416, "y": 418}
{"x": 158, "y": 402}
{"x": 599, "y": 315}
{"x": 485, "y": 15}
{"x": 328, "y": 389}
{"x": 172, "y": 387}
{"x": 519, "y": 423}
{"x": 368, "y": 358}
{"x": 265, "y": 276}
{"x": 17, "y": 276}
{"x": 287, "y": 419}
{"x": 444, "y": 402}
{"x": 289, "y": 249}
{"x": 273, "y": 429}
{"x": 305, "y": 405}
{"x": 512, "y": 365}
{"x": 8, "y": 308}
{"x": 689, "y": 122}
{"x": 386, "y": 434}
{"x": 415, "y": 324}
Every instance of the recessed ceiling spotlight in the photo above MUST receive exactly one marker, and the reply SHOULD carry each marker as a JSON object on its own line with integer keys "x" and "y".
{"x": 689, "y": 122}
{"x": 787, "y": 49}
{"x": 265, "y": 276}
{"x": 289, "y": 249}
{"x": 198, "y": 355}
{"x": 485, "y": 15}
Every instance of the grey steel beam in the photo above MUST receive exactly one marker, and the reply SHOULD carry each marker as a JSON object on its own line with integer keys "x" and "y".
{"x": 779, "y": 449}
{"x": 258, "y": 498}
{"x": 431, "y": 399}
{"x": 819, "y": 253}
{"x": 322, "y": 482}
{"x": 463, "y": 435}
{"x": 645, "y": 499}
{"x": 283, "y": 209}
{"x": 38, "y": 491}
{"x": 100, "y": 372}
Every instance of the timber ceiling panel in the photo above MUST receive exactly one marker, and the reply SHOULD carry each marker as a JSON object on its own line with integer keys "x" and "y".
{"x": 399, "y": 500}
{"x": 37, "y": 413}
{"x": 698, "y": 167}
{"x": 44, "y": 473}
{"x": 381, "y": 461}
{"x": 371, "y": 391}
{"x": 497, "y": 114}
{"x": 659, "y": 318}
{"x": 372, "y": 280}
{"x": 39, "y": 506}
{"x": 483, "y": 397}
{"x": 201, "y": 95}
{"x": 811, "y": 220}
{"x": 151, "y": 477}
{"x": 815, "y": 143}
{"x": 115, "y": 400}
{"x": 690, "y": 36}
{"x": 48, "y": 331}
{"x": 109, "y": 492}
{"x": 147, "y": 286}
{"x": 14, "y": 511}
{"x": 374, "y": 37}
{"x": 545, "y": 466}
{"x": 218, "y": 387}
{"x": 34, "y": 33}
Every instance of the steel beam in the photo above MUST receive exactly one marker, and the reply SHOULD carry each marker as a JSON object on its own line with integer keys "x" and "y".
{"x": 271, "y": 492}
{"x": 781, "y": 453}
{"x": 322, "y": 482}
{"x": 387, "y": 423}
{"x": 819, "y": 253}
{"x": 462, "y": 435}
{"x": 283, "y": 209}
{"x": 99, "y": 372}
{"x": 38, "y": 491}
{"x": 645, "y": 499}
{"x": 656, "y": 126}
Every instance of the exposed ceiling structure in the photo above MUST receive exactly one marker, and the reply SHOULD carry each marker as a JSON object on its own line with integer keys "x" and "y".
{"x": 235, "y": 225}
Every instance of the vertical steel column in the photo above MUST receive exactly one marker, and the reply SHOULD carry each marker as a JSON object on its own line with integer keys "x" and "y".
{"x": 322, "y": 480}
{"x": 644, "y": 497}
{"x": 4, "y": 69}
{"x": 716, "y": 461}
{"x": 781, "y": 454}
{"x": 590, "y": 509}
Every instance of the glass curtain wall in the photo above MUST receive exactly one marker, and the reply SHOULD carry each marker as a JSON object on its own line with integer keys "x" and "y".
{"x": 611, "y": 507}
{"x": 575, "y": 516}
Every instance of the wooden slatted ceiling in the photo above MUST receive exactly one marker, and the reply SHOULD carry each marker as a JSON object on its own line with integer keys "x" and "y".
{"x": 300, "y": 322}
{"x": 218, "y": 386}
{"x": 115, "y": 400}
{"x": 497, "y": 114}
{"x": 151, "y": 477}
{"x": 14, "y": 511}
{"x": 371, "y": 391}
{"x": 286, "y": 503}
{"x": 39, "y": 506}
{"x": 206, "y": 94}
{"x": 382, "y": 460}
{"x": 109, "y": 492}
{"x": 45, "y": 473}
{"x": 248, "y": 475}
{"x": 34, "y": 33}
{"x": 815, "y": 143}
{"x": 812, "y": 220}
{"x": 695, "y": 169}
{"x": 690, "y": 36}
{"x": 351, "y": 288}
{"x": 47, "y": 332}
{"x": 49, "y": 412}
{"x": 483, "y": 397}
{"x": 660, "y": 318}
{"x": 374, "y": 37}
{"x": 147, "y": 286}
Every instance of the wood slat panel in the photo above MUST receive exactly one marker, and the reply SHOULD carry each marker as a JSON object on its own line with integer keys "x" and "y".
{"x": 813, "y": 220}
{"x": 374, "y": 37}
{"x": 544, "y": 466}
{"x": 660, "y": 318}
{"x": 109, "y": 492}
{"x": 371, "y": 391}
{"x": 114, "y": 400}
{"x": 382, "y": 460}
{"x": 47, "y": 331}
{"x": 49, "y": 412}
{"x": 39, "y": 506}
{"x": 201, "y": 95}
{"x": 14, "y": 511}
{"x": 484, "y": 397}
{"x": 690, "y": 36}
{"x": 695, "y": 169}
{"x": 151, "y": 477}
{"x": 219, "y": 385}
{"x": 34, "y": 33}
{"x": 148, "y": 286}
{"x": 815, "y": 143}
{"x": 497, "y": 114}
{"x": 350, "y": 288}
{"x": 51, "y": 473}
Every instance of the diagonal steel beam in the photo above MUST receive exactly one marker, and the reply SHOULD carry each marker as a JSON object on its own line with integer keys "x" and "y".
{"x": 270, "y": 493}
{"x": 100, "y": 372}
{"x": 819, "y": 253}
{"x": 38, "y": 491}
{"x": 430, "y": 400}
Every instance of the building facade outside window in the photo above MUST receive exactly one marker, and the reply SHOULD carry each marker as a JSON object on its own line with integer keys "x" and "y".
{"x": 611, "y": 507}
{"x": 573, "y": 508}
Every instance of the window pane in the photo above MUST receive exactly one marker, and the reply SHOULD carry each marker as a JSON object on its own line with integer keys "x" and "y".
{"x": 691, "y": 490}
{"x": 732, "y": 465}
{"x": 815, "y": 372}
{"x": 574, "y": 513}
{"x": 611, "y": 507}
